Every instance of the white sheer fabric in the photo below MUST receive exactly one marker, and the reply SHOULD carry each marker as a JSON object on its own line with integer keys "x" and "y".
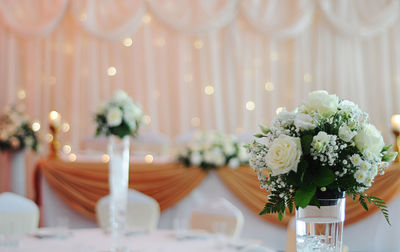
{"x": 246, "y": 59}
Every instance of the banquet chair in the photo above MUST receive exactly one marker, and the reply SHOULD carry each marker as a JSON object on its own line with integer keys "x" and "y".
{"x": 18, "y": 215}
{"x": 143, "y": 212}
{"x": 217, "y": 214}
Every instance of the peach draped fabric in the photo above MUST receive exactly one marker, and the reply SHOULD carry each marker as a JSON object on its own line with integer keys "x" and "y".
{"x": 81, "y": 185}
{"x": 243, "y": 183}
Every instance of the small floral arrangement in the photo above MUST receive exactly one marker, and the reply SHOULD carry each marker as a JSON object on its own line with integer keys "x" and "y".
{"x": 325, "y": 145}
{"x": 119, "y": 116}
{"x": 214, "y": 149}
{"x": 15, "y": 130}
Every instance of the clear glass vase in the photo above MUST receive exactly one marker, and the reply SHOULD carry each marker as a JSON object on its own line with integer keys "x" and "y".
{"x": 118, "y": 150}
{"x": 321, "y": 228}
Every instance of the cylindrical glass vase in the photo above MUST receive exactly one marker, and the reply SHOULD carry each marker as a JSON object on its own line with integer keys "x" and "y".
{"x": 118, "y": 150}
{"x": 16, "y": 163}
{"x": 321, "y": 228}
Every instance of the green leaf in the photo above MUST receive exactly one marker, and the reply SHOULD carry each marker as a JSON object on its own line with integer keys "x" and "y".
{"x": 259, "y": 135}
{"x": 264, "y": 129}
{"x": 280, "y": 216}
{"x": 387, "y": 147}
{"x": 323, "y": 176}
{"x": 363, "y": 203}
{"x": 389, "y": 157}
{"x": 306, "y": 141}
{"x": 304, "y": 195}
{"x": 292, "y": 179}
{"x": 301, "y": 169}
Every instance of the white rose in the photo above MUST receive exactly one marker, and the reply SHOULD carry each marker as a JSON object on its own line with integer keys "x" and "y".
{"x": 114, "y": 117}
{"x": 234, "y": 163}
{"x": 322, "y": 102}
{"x": 370, "y": 139}
{"x": 195, "y": 158}
{"x": 229, "y": 148}
{"x": 283, "y": 155}
{"x": 304, "y": 122}
{"x": 345, "y": 133}
{"x": 208, "y": 157}
{"x": 120, "y": 96}
{"x": 320, "y": 140}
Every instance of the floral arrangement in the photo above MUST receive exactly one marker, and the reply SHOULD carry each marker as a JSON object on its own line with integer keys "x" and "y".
{"x": 214, "y": 149}
{"x": 325, "y": 145}
{"x": 15, "y": 130}
{"x": 119, "y": 116}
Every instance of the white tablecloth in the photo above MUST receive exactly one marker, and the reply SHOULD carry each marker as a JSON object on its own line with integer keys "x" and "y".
{"x": 95, "y": 240}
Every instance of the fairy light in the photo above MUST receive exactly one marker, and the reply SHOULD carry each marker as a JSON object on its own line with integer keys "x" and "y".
{"x": 198, "y": 44}
{"x": 160, "y": 42}
{"x": 209, "y": 90}
{"x": 21, "y": 94}
{"x": 72, "y": 157}
{"x": 149, "y": 158}
{"x": 146, "y": 19}
{"x": 188, "y": 77}
{"x": 269, "y": 86}
{"x": 307, "y": 78}
{"x": 250, "y": 105}
{"x": 279, "y": 110}
{"x": 67, "y": 149}
{"x": 111, "y": 71}
{"x": 49, "y": 137}
{"x": 65, "y": 127}
{"x": 83, "y": 17}
{"x": 127, "y": 42}
{"x": 195, "y": 121}
{"x": 105, "y": 158}
{"x": 36, "y": 126}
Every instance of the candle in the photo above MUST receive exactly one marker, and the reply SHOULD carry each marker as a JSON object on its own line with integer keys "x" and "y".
{"x": 396, "y": 122}
{"x": 55, "y": 119}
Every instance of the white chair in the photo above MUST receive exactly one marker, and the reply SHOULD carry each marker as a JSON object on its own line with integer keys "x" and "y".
{"x": 216, "y": 213}
{"x": 18, "y": 215}
{"x": 143, "y": 212}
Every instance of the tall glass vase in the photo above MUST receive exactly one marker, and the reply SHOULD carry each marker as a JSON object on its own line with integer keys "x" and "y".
{"x": 321, "y": 228}
{"x": 118, "y": 150}
{"x": 16, "y": 164}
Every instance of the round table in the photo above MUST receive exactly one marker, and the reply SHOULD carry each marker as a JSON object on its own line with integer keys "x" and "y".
{"x": 95, "y": 240}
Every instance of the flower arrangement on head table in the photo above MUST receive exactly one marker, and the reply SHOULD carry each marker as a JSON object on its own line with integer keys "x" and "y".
{"x": 15, "y": 130}
{"x": 214, "y": 149}
{"x": 325, "y": 145}
{"x": 119, "y": 116}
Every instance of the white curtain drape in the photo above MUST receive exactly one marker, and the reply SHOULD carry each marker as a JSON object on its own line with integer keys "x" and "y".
{"x": 224, "y": 64}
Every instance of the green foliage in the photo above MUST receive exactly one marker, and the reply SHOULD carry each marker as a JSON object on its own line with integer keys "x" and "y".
{"x": 377, "y": 202}
{"x": 264, "y": 129}
{"x": 323, "y": 176}
{"x": 387, "y": 147}
{"x": 306, "y": 141}
{"x": 304, "y": 195}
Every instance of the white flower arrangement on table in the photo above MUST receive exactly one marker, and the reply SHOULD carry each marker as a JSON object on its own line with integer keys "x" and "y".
{"x": 214, "y": 149}
{"x": 119, "y": 116}
{"x": 324, "y": 146}
{"x": 15, "y": 130}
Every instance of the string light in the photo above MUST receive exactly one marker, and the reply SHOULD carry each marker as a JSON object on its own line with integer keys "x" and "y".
{"x": 72, "y": 157}
{"x": 67, "y": 149}
{"x": 279, "y": 110}
{"x": 307, "y": 78}
{"x": 209, "y": 90}
{"x": 65, "y": 127}
{"x": 127, "y": 42}
{"x": 21, "y": 94}
{"x": 160, "y": 42}
{"x": 149, "y": 158}
{"x": 146, "y": 19}
{"x": 36, "y": 126}
{"x": 198, "y": 44}
{"x": 195, "y": 121}
{"x": 105, "y": 158}
{"x": 147, "y": 119}
{"x": 250, "y": 105}
{"x": 83, "y": 17}
{"x": 111, "y": 71}
{"x": 188, "y": 77}
{"x": 269, "y": 86}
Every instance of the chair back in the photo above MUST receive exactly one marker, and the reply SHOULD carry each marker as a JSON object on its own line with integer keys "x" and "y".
{"x": 18, "y": 215}
{"x": 218, "y": 214}
{"x": 143, "y": 212}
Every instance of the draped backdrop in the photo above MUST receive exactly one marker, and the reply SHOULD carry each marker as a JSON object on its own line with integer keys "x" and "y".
{"x": 223, "y": 64}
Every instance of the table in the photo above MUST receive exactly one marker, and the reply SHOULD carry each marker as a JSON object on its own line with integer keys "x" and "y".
{"x": 95, "y": 240}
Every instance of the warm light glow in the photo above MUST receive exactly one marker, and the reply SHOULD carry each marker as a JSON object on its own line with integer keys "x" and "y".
{"x": 21, "y": 94}
{"x": 198, "y": 44}
{"x": 279, "y": 110}
{"x": 127, "y": 42}
{"x": 36, "y": 126}
{"x": 307, "y": 78}
{"x": 269, "y": 86}
{"x": 160, "y": 42}
{"x": 49, "y": 137}
{"x": 274, "y": 56}
{"x": 147, "y": 119}
{"x": 105, "y": 158}
{"x": 239, "y": 130}
{"x": 52, "y": 80}
{"x": 146, "y": 19}
{"x": 55, "y": 118}
{"x": 148, "y": 158}
{"x": 111, "y": 71}
{"x": 65, "y": 127}
{"x": 250, "y": 105}
{"x": 209, "y": 90}
{"x": 72, "y": 157}
{"x": 83, "y": 17}
{"x": 188, "y": 78}
{"x": 195, "y": 121}
{"x": 68, "y": 49}
{"x": 67, "y": 149}
{"x": 396, "y": 122}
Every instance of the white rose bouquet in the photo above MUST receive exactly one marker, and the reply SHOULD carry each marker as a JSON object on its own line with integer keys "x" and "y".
{"x": 324, "y": 146}
{"x": 213, "y": 149}
{"x": 119, "y": 116}
{"x": 15, "y": 130}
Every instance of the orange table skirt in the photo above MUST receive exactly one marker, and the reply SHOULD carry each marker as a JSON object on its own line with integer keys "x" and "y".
{"x": 81, "y": 185}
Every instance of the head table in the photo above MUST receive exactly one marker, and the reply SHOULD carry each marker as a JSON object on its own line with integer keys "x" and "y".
{"x": 96, "y": 240}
